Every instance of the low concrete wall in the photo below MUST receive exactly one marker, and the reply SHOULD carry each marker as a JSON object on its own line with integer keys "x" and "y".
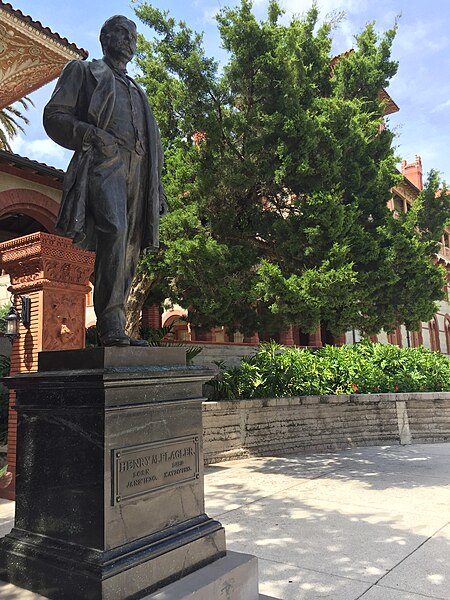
{"x": 230, "y": 354}
{"x": 322, "y": 423}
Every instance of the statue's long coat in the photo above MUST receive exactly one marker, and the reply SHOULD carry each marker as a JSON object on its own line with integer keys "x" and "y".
{"x": 85, "y": 93}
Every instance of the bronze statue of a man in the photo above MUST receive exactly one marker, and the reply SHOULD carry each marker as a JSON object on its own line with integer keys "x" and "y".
{"x": 113, "y": 196}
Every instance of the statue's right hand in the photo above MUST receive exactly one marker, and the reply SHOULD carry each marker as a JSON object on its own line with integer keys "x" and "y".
{"x": 103, "y": 142}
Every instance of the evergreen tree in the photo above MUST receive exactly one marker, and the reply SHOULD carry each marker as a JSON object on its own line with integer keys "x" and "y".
{"x": 278, "y": 174}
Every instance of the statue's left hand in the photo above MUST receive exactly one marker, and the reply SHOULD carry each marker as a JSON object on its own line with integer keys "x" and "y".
{"x": 163, "y": 206}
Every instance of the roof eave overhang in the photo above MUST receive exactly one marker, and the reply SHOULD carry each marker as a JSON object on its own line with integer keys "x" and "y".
{"x": 30, "y": 55}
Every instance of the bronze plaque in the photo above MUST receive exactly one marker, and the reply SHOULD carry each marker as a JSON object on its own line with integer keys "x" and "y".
{"x": 147, "y": 468}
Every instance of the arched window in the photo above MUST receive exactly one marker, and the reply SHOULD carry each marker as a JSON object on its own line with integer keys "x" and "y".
{"x": 24, "y": 211}
{"x": 447, "y": 332}
{"x": 433, "y": 330}
{"x": 416, "y": 338}
{"x": 181, "y": 330}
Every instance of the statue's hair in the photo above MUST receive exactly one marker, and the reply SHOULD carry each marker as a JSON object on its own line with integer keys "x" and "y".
{"x": 110, "y": 24}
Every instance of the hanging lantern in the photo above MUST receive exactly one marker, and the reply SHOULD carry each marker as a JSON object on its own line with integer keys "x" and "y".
{"x": 12, "y": 323}
{"x": 13, "y": 317}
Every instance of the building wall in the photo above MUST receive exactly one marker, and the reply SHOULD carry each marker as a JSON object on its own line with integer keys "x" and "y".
{"x": 12, "y": 182}
{"x": 441, "y": 322}
{"x": 441, "y": 317}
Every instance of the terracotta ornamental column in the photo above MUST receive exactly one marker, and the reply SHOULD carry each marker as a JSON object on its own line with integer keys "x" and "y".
{"x": 151, "y": 316}
{"x": 315, "y": 339}
{"x": 287, "y": 337}
{"x": 54, "y": 274}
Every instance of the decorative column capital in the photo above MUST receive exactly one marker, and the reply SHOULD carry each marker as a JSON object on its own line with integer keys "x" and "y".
{"x": 45, "y": 260}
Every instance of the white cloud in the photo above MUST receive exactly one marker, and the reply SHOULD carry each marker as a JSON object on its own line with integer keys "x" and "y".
{"x": 437, "y": 45}
{"x": 346, "y": 36}
{"x": 419, "y": 34}
{"x": 441, "y": 106}
{"x": 41, "y": 150}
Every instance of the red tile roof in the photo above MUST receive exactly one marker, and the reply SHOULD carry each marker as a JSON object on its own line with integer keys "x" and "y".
{"x": 38, "y": 25}
{"x": 27, "y": 163}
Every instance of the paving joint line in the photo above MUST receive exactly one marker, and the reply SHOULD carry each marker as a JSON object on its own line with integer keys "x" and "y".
{"x": 396, "y": 589}
{"x": 403, "y": 560}
{"x": 388, "y": 587}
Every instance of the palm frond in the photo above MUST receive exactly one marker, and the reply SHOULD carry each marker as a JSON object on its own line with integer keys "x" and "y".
{"x": 9, "y": 122}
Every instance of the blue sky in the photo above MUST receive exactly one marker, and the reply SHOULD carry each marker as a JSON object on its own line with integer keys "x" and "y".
{"x": 421, "y": 87}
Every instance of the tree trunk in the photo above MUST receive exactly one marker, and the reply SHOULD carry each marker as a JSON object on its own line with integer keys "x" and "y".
{"x": 139, "y": 290}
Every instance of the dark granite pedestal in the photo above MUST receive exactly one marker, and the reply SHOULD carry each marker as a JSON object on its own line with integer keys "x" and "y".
{"x": 109, "y": 475}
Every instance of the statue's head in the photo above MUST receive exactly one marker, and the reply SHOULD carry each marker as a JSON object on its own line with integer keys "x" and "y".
{"x": 118, "y": 38}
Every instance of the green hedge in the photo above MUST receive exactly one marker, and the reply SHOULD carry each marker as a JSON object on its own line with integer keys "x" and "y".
{"x": 364, "y": 368}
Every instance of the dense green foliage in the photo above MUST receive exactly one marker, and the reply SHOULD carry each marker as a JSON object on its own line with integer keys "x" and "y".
{"x": 278, "y": 176}
{"x": 4, "y": 310}
{"x": 364, "y": 368}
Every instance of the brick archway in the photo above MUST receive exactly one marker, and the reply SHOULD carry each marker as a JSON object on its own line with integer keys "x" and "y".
{"x": 172, "y": 315}
{"x": 31, "y": 203}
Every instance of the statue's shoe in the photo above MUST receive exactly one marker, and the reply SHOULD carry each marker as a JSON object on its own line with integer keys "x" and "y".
{"x": 114, "y": 338}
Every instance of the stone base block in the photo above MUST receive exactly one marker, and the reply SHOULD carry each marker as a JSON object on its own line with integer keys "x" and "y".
{"x": 110, "y": 501}
{"x": 62, "y": 571}
{"x": 233, "y": 577}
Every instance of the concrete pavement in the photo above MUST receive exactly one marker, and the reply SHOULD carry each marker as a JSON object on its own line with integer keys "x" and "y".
{"x": 366, "y": 523}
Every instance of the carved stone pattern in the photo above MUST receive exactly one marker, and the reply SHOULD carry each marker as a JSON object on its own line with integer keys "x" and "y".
{"x": 28, "y": 59}
{"x": 20, "y": 272}
{"x": 72, "y": 255}
{"x": 25, "y": 239}
{"x": 20, "y": 249}
{"x": 55, "y": 244}
{"x": 19, "y": 242}
{"x": 28, "y": 280}
{"x": 41, "y": 283}
{"x": 66, "y": 272}
{"x": 44, "y": 245}
{"x": 63, "y": 328}
{"x": 9, "y": 257}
